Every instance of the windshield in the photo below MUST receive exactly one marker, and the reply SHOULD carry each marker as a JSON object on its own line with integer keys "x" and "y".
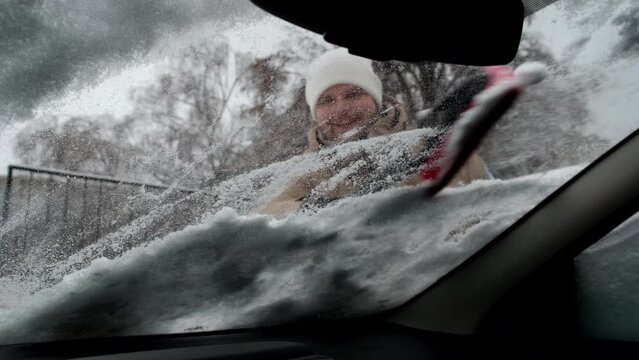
{"x": 193, "y": 166}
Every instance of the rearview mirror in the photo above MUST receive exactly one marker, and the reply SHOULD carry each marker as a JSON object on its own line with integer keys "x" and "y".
{"x": 451, "y": 31}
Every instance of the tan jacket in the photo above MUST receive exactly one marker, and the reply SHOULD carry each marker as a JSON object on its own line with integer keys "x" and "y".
{"x": 393, "y": 119}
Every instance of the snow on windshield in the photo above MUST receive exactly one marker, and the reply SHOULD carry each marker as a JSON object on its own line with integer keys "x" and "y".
{"x": 354, "y": 257}
{"x": 345, "y": 257}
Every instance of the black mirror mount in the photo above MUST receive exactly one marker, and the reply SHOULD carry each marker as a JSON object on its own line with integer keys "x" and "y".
{"x": 451, "y": 31}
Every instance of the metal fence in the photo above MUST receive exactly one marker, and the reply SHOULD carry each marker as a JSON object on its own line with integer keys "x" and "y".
{"x": 60, "y": 212}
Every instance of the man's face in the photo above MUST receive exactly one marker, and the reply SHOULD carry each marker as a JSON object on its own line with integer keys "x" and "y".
{"x": 341, "y": 108}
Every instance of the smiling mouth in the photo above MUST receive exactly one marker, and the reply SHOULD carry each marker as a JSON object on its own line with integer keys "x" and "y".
{"x": 342, "y": 122}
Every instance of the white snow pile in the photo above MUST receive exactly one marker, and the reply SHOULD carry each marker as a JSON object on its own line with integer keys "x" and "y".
{"x": 355, "y": 257}
{"x": 369, "y": 165}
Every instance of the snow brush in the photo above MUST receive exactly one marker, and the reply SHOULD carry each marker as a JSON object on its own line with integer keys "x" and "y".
{"x": 468, "y": 113}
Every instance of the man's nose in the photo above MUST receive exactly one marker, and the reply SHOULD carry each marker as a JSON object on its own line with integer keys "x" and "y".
{"x": 340, "y": 106}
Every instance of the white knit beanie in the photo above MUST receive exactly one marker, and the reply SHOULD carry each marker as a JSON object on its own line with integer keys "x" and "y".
{"x": 339, "y": 67}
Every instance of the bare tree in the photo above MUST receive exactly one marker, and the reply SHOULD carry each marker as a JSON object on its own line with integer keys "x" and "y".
{"x": 546, "y": 128}
{"x": 190, "y": 123}
{"x": 181, "y": 128}
{"x": 79, "y": 144}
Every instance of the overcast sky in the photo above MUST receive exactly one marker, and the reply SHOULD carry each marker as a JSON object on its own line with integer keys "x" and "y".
{"x": 45, "y": 46}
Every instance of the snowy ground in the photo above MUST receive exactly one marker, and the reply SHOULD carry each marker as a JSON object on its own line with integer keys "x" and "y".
{"x": 357, "y": 256}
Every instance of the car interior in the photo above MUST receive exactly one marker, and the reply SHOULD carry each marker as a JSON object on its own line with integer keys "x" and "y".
{"x": 515, "y": 298}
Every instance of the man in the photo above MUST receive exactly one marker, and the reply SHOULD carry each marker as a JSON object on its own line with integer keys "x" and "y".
{"x": 345, "y": 100}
